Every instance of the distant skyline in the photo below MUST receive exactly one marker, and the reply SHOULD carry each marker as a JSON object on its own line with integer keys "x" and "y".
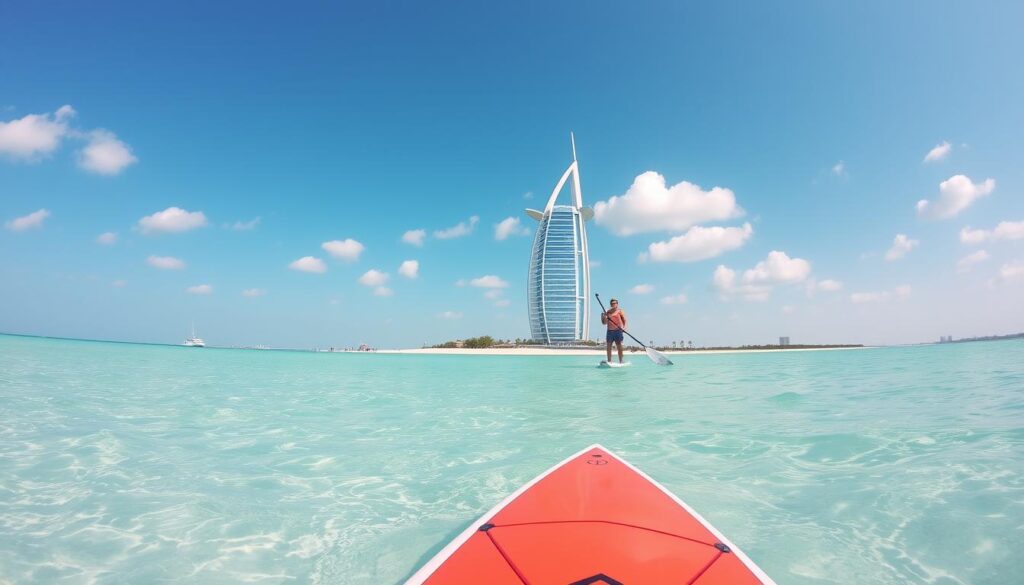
{"x": 332, "y": 175}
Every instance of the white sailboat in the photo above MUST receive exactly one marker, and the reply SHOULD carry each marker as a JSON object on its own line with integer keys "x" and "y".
{"x": 194, "y": 341}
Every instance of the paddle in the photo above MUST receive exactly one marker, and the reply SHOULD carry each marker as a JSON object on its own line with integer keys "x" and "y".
{"x": 655, "y": 355}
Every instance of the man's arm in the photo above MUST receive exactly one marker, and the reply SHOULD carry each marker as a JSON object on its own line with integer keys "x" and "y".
{"x": 623, "y": 318}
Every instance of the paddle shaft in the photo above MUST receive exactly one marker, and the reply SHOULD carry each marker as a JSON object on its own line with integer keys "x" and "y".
{"x": 623, "y": 330}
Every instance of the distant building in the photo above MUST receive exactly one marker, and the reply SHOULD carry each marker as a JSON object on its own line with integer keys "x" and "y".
{"x": 945, "y": 339}
{"x": 783, "y": 341}
{"x": 558, "y": 286}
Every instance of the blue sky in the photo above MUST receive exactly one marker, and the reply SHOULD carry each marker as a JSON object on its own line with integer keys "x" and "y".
{"x": 334, "y": 123}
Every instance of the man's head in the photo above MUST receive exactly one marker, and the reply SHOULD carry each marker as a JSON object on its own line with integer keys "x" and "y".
{"x": 615, "y": 303}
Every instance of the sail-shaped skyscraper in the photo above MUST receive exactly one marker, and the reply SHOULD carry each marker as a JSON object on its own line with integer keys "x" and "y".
{"x": 558, "y": 289}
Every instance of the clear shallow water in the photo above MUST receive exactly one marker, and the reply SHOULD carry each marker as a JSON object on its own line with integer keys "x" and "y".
{"x": 147, "y": 464}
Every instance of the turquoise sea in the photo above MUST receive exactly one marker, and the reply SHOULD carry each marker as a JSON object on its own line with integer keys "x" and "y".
{"x": 126, "y": 463}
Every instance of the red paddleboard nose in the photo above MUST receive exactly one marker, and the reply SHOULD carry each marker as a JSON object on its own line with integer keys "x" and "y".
{"x": 592, "y": 519}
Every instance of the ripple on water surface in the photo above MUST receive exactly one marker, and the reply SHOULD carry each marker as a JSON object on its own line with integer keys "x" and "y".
{"x": 142, "y": 464}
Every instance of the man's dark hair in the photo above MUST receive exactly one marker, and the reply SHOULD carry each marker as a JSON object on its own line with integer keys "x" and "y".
{"x": 614, "y": 301}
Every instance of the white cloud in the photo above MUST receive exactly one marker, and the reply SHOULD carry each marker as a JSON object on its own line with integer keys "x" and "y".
{"x": 839, "y": 169}
{"x": 724, "y": 280}
{"x": 461, "y": 282}
{"x": 496, "y": 295}
{"x": 347, "y": 249}
{"x": 595, "y": 263}
{"x": 901, "y": 292}
{"x": 698, "y": 243}
{"x": 642, "y": 289}
{"x": 488, "y": 281}
{"x": 967, "y": 262}
{"x": 450, "y": 315}
{"x": 33, "y": 220}
{"x": 119, "y": 283}
{"x": 974, "y": 237}
{"x": 868, "y": 297}
{"x": 414, "y": 237}
{"x": 956, "y": 194}
{"x": 756, "y": 283}
{"x": 373, "y": 277}
{"x": 778, "y": 268}
{"x": 1011, "y": 270}
{"x": 34, "y": 136}
{"x": 165, "y": 262}
{"x": 105, "y": 154}
{"x": 409, "y": 269}
{"x": 649, "y": 205}
{"x": 788, "y": 309}
{"x": 678, "y": 299}
{"x": 172, "y": 220}
{"x": 107, "y": 238}
{"x": 463, "y": 228}
{"x": 829, "y": 285}
{"x": 901, "y": 244}
{"x": 309, "y": 264}
{"x": 1006, "y": 230}
{"x": 253, "y": 292}
{"x": 510, "y": 226}
{"x": 383, "y": 291}
{"x": 243, "y": 226}
{"x": 200, "y": 289}
{"x": 938, "y": 153}
{"x": 1009, "y": 230}
{"x": 1007, "y": 272}
{"x": 528, "y": 195}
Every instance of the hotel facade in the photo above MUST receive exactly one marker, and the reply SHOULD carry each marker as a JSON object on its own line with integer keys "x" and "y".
{"x": 558, "y": 286}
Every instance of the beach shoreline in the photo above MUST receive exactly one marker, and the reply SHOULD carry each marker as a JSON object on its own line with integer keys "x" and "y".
{"x": 543, "y": 351}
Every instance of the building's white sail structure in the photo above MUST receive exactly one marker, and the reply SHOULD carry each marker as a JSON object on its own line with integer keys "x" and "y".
{"x": 558, "y": 289}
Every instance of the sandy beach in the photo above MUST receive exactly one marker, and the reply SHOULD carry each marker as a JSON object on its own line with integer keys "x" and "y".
{"x": 534, "y": 351}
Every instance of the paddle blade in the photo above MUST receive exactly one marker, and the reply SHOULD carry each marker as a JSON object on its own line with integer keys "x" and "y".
{"x": 658, "y": 357}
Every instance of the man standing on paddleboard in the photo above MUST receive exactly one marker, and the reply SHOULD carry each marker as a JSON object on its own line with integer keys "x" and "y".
{"x": 615, "y": 319}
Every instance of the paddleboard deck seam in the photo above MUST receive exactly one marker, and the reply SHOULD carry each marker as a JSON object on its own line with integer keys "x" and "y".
{"x": 627, "y": 525}
{"x": 705, "y": 569}
{"x": 505, "y": 556}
